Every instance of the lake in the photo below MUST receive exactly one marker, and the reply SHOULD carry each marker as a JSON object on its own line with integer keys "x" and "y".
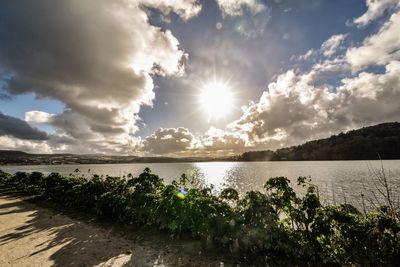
{"x": 337, "y": 181}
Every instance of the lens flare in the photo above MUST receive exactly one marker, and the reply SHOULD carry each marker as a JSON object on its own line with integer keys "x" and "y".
{"x": 181, "y": 194}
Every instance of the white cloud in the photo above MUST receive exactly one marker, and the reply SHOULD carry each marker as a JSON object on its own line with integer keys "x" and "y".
{"x": 184, "y": 8}
{"x": 167, "y": 141}
{"x": 380, "y": 48}
{"x": 376, "y": 8}
{"x": 249, "y": 18}
{"x": 236, "y": 7}
{"x": 294, "y": 109}
{"x": 181, "y": 142}
{"x": 371, "y": 98}
{"x": 12, "y": 143}
{"x": 222, "y": 141}
{"x": 300, "y": 106}
{"x": 330, "y": 46}
{"x": 308, "y": 55}
{"x": 328, "y": 69}
{"x": 38, "y": 117}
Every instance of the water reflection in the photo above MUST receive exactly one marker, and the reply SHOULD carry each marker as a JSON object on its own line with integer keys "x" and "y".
{"x": 215, "y": 173}
{"x": 337, "y": 181}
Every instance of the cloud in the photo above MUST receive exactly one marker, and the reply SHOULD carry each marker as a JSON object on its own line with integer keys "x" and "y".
{"x": 102, "y": 71}
{"x": 295, "y": 109}
{"x": 222, "y": 141}
{"x": 237, "y": 7}
{"x": 12, "y": 143}
{"x": 96, "y": 57}
{"x": 330, "y": 46}
{"x": 304, "y": 105}
{"x": 186, "y": 9}
{"x": 376, "y": 8}
{"x": 249, "y": 18}
{"x": 299, "y": 106}
{"x": 38, "y": 117}
{"x": 308, "y": 55}
{"x": 291, "y": 111}
{"x": 380, "y": 48}
{"x": 18, "y": 128}
{"x": 327, "y": 69}
{"x": 181, "y": 142}
{"x": 165, "y": 141}
{"x": 370, "y": 98}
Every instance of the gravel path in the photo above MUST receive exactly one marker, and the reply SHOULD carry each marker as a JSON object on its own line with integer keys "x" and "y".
{"x": 35, "y": 236}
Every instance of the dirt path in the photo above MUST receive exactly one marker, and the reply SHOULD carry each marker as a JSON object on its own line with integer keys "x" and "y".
{"x": 34, "y": 236}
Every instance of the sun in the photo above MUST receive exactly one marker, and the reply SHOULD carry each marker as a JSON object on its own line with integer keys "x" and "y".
{"x": 216, "y": 99}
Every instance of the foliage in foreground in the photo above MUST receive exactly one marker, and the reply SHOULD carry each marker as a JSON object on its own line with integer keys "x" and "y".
{"x": 275, "y": 227}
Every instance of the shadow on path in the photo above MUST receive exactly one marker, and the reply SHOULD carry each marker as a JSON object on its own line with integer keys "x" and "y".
{"x": 35, "y": 236}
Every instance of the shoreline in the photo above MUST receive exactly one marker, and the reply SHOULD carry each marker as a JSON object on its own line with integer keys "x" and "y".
{"x": 211, "y": 161}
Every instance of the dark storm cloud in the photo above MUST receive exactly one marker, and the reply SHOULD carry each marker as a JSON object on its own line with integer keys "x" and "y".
{"x": 20, "y": 129}
{"x": 95, "y": 56}
{"x": 54, "y": 48}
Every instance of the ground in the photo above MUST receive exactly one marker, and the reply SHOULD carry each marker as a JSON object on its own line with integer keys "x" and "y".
{"x": 35, "y": 236}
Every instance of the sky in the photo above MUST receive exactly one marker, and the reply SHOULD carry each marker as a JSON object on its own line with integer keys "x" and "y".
{"x": 193, "y": 77}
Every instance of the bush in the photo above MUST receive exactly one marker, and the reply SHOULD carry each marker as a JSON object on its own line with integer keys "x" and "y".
{"x": 275, "y": 227}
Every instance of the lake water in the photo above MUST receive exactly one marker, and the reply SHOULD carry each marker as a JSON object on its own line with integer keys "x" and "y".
{"x": 337, "y": 181}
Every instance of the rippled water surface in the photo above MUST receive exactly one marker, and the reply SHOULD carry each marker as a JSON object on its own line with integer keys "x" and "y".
{"x": 337, "y": 181}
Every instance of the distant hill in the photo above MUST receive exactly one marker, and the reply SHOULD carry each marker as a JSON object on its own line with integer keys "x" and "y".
{"x": 368, "y": 143}
{"x": 12, "y": 157}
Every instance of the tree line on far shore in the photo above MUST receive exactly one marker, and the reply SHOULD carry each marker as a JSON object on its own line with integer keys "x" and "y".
{"x": 381, "y": 141}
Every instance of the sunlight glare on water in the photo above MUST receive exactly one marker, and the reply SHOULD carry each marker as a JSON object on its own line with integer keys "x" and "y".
{"x": 337, "y": 181}
{"x": 215, "y": 173}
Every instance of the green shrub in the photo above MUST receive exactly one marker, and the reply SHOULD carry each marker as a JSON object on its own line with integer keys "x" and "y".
{"x": 275, "y": 227}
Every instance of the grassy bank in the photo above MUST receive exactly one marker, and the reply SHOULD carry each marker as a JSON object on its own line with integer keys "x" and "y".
{"x": 276, "y": 227}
